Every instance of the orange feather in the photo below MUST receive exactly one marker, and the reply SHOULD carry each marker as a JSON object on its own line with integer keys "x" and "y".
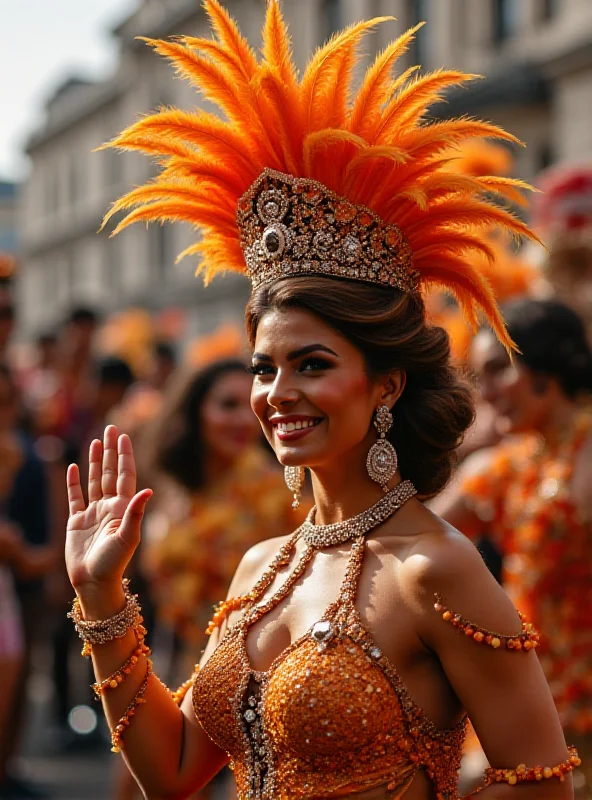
{"x": 375, "y": 89}
{"x": 277, "y": 48}
{"x": 230, "y": 37}
{"x": 218, "y": 54}
{"x": 199, "y": 214}
{"x": 319, "y": 82}
{"x": 412, "y": 101}
{"x": 376, "y": 150}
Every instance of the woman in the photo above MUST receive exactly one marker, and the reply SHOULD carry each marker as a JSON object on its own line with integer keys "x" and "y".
{"x": 531, "y": 493}
{"x": 333, "y": 669}
{"x": 220, "y": 496}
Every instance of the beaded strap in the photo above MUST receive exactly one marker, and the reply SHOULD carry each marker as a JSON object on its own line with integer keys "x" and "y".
{"x": 102, "y": 631}
{"x": 118, "y": 677}
{"x": 130, "y": 711}
{"x": 527, "y": 639}
{"x": 523, "y": 774}
{"x": 226, "y": 607}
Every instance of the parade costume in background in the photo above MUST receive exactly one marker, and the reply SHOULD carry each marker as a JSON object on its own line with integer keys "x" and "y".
{"x": 192, "y": 563}
{"x": 301, "y": 181}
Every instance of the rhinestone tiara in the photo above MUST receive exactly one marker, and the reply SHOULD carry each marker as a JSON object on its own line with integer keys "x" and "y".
{"x": 295, "y": 226}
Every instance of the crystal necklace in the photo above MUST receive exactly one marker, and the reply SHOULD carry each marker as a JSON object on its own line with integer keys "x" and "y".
{"x": 338, "y": 532}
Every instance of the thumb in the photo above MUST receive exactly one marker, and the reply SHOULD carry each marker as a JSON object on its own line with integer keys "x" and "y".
{"x": 132, "y": 519}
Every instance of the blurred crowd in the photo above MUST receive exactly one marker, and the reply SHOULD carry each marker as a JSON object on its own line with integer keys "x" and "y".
{"x": 522, "y": 489}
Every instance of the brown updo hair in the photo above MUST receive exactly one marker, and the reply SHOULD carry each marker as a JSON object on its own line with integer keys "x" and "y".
{"x": 389, "y": 328}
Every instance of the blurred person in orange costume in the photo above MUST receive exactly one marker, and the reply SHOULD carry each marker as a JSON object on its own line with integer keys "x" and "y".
{"x": 531, "y": 493}
{"x": 563, "y": 216}
{"x": 220, "y": 495}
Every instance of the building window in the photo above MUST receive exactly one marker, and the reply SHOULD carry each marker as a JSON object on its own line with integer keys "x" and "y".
{"x": 74, "y": 180}
{"x": 505, "y": 20}
{"x": 548, "y": 9}
{"x": 419, "y": 12}
{"x": 51, "y": 193}
{"x": 331, "y": 18}
{"x": 545, "y": 157}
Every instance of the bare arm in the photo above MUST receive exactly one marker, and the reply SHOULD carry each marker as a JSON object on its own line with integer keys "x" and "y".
{"x": 164, "y": 746}
{"x": 504, "y": 691}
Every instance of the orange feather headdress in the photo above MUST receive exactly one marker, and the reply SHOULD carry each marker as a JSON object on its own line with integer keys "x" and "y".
{"x": 378, "y": 177}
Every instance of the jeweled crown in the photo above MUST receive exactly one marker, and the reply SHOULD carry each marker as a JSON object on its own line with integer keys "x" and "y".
{"x": 294, "y": 226}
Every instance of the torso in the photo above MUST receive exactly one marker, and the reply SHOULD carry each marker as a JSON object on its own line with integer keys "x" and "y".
{"x": 378, "y": 644}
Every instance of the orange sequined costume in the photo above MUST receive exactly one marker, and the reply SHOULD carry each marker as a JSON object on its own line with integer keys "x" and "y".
{"x": 330, "y": 717}
{"x": 524, "y": 498}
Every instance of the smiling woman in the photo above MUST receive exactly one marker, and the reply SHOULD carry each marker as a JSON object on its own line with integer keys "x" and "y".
{"x": 369, "y": 333}
{"x": 347, "y": 656}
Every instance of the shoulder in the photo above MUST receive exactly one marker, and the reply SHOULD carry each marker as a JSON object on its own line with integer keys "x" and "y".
{"x": 254, "y": 563}
{"x": 444, "y": 564}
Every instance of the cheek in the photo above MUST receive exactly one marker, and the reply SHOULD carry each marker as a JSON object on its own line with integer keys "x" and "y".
{"x": 345, "y": 398}
{"x": 259, "y": 404}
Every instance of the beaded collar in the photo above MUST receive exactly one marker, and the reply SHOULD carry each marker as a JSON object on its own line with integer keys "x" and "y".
{"x": 339, "y": 532}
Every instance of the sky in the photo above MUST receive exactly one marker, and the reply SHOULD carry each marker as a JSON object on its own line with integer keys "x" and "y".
{"x": 43, "y": 42}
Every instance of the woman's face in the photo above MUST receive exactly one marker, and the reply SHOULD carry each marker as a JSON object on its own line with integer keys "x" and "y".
{"x": 311, "y": 390}
{"x": 227, "y": 422}
{"x": 521, "y": 399}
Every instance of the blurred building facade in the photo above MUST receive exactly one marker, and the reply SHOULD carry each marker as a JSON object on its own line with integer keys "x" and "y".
{"x": 537, "y": 55}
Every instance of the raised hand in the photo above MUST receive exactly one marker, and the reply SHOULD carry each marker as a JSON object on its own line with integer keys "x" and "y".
{"x": 101, "y": 537}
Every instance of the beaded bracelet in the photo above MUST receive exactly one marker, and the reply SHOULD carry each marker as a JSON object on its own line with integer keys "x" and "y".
{"x": 139, "y": 699}
{"x": 102, "y": 631}
{"x": 118, "y": 677}
{"x": 523, "y": 774}
{"x": 527, "y": 639}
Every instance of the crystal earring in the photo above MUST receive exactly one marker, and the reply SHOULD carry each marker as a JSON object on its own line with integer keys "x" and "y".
{"x": 382, "y": 458}
{"x": 294, "y": 477}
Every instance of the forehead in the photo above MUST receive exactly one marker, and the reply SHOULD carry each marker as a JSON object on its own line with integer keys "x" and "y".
{"x": 235, "y": 382}
{"x": 287, "y": 330}
{"x": 486, "y": 350}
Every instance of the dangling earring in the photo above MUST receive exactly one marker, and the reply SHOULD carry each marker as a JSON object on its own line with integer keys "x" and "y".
{"x": 294, "y": 477}
{"x": 382, "y": 459}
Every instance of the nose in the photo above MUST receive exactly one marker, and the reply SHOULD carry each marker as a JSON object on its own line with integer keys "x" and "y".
{"x": 282, "y": 392}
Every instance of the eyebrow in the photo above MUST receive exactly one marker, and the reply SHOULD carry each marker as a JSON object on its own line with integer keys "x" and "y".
{"x": 303, "y": 351}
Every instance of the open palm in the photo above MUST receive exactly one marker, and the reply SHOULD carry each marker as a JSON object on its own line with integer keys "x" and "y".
{"x": 101, "y": 537}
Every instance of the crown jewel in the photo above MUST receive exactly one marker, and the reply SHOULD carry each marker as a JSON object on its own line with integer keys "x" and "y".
{"x": 296, "y": 226}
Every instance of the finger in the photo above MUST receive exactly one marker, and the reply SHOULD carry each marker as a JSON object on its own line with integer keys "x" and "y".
{"x": 132, "y": 519}
{"x": 95, "y": 468}
{"x": 109, "y": 468}
{"x": 126, "y": 467}
{"x": 75, "y": 497}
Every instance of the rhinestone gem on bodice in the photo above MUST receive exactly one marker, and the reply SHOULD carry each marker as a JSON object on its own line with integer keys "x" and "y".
{"x": 322, "y": 631}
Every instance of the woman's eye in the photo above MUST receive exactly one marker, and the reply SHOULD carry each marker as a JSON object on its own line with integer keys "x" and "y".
{"x": 260, "y": 369}
{"x": 314, "y": 365}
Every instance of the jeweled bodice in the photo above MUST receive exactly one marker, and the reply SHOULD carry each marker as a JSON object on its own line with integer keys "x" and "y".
{"x": 329, "y": 718}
